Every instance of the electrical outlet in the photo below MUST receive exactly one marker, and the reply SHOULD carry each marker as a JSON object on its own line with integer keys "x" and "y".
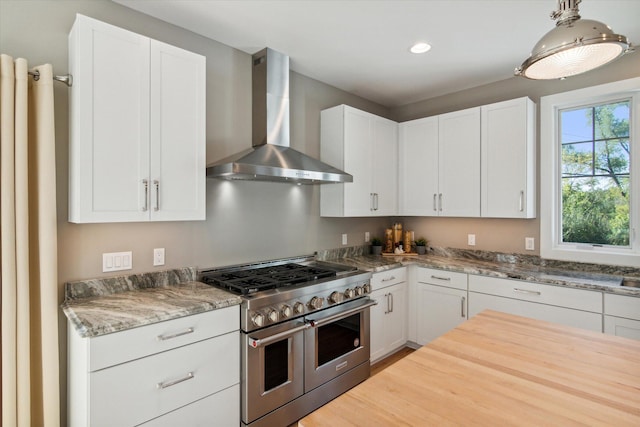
{"x": 367, "y": 236}
{"x": 158, "y": 256}
{"x": 529, "y": 243}
{"x": 344, "y": 239}
{"x": 117, "y": 261}
{"x": 471, "y": 239}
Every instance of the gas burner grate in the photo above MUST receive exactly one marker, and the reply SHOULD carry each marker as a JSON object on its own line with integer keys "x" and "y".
{"x": 246, "y": 282}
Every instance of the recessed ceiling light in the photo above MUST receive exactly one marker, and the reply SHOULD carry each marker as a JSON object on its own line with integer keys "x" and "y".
{"x": 420, "y": 47}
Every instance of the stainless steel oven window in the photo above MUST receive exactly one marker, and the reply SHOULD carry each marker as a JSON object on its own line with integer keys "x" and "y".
{"x": 338, "y": 338}
{"x": 277, "y": 366}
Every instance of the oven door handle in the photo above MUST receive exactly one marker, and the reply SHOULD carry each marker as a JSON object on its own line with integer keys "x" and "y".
{"x": 260, "y": 342}
{"x": 329, "y": 319}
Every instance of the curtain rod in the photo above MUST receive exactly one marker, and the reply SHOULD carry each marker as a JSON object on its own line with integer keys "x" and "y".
{"x": 66, "y": 79}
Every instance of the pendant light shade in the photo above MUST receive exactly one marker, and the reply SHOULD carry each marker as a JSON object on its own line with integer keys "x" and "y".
{"x": 573, "y": 47}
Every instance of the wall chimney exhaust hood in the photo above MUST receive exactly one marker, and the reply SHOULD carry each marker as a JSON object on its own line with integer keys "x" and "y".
{"x": 271, "y": 158}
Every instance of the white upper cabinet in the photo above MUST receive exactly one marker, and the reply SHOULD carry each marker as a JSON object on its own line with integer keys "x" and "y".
{"x": 137, "y": 127}
{"x": 440, "y": 165}
{"x": 366, "y": 146}
{"x": 508, "y": 159}
{"x": 418, "y": 148}
{"x": 459, "y": 163}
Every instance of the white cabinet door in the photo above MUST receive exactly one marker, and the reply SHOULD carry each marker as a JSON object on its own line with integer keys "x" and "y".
{"x": 439, "y": 309}
{"x": 621, "y": 327}
{"x": 385, "y": 167}
{"x": 177, "y": 134}
{"x": 418, "y": 150}
{"x": 109, "y": 129}
{"x": 459, "y": 163}
{"x": 388, "y": 320}
{"x": 137, "y": 131}
{"x": 508, "y": 159}
{"x": 358, "y": 149}
{"x": 365, "y": 146}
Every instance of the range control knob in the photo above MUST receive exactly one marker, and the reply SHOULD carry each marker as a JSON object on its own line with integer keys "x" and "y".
{"x": 298, "y": 308}
{"x": 273, "y": 315}
{"x": 258, "y": 319}
{"x": 358, "y": 290}
{"x": 366, "y": 288}
{"x": 348, "y": 293}
{"x": 286, "y": 311}
{"x": 336, "y": 297}
{"x": 316, "y": 302}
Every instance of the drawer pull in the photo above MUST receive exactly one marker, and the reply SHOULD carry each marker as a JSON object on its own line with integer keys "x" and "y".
{"x": 167, "y": 384}
{"x": 389, "y": 278}
{"x": 526, "y": 291}
{"x": 462, "y": 312}
{"x": 448, "y": 279}
{"x": 176, "y": 335}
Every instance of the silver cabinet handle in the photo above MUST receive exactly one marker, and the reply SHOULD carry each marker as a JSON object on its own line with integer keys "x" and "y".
{"x": 391, "y": 295}
{"x": 389, "y": 278}
{"x": 435, "y": 207}
{"x": 177, "y": 334}
{"x": 375, "y": 198}
{"x": 462, "y": 311}
{"x": 448, "y": 279}
{"x": 157, "y": 185}
{"x": 145, "y": 183}
{"x": 260, "y": 342}
{"x": 526, "y": 291}
{"x": 166, "y": 384}
{"x": 387, "y": 298}
{"x": 440, "y": 201}
{"x": 371, "y": 208}
{"x": 521, "y": 202}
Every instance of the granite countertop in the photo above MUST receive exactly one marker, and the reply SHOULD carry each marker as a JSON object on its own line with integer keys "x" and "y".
{"x": 575, "y": 275}
{"x": 101, "y": 306}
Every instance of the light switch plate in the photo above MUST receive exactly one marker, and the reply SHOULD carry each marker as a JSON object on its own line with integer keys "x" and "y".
{"x": 367, "y": 236}
{"x": 471, "y": 239}
{"x": 117, "y": 261}
{"x": 344, "y": 239}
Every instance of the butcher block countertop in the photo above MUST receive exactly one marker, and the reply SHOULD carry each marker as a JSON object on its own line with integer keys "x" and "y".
{"x": 500, "y": 369}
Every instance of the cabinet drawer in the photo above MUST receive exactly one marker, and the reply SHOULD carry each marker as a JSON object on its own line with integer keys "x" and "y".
{"x": 449, "y": 279}
{"x": 220, "y": 409}
{"x": 622, "y": 306}
{"x": 387, "y": 278}
{"x": 579, "y": 299}
{"x": 137, "y": 391}
{"x": 119, "y": 347}
{"x": 565, "y": 316}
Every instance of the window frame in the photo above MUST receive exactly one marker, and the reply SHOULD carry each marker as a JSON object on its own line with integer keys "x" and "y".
{"x": 551, "y": 246}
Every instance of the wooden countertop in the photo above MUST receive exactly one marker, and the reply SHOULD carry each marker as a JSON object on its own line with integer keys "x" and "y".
{"x": 500, "y": 369}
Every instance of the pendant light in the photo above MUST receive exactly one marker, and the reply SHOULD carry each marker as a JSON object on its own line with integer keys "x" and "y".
{"x": 573, "y": 47}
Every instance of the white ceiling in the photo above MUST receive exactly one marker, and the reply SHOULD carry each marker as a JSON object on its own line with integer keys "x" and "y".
{"x": 362, "y": 46}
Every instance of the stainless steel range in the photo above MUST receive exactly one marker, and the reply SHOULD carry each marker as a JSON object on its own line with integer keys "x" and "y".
{"x": 305, "y": 334}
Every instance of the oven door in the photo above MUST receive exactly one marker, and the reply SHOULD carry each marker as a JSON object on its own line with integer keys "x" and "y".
{"x": 337, "y": 341}
{"x": 272, "y": 368}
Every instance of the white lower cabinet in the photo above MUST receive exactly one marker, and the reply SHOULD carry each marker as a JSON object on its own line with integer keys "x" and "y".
{"x": 188, "y": 374}
{"x": 389, "y": 317}
{"x": 622, "y": 316}
{"x": 441, "y": 303}
{"x": 573, "y": 307}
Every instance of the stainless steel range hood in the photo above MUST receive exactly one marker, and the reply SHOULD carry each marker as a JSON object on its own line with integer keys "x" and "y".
{"x": 271, "y": 158}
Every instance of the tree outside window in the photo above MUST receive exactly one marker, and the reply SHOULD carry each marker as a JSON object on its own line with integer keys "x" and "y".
{"x": 595, "y": 174}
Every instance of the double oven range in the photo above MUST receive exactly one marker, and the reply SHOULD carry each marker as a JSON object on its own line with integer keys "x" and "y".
{"x": 304, "y": 335}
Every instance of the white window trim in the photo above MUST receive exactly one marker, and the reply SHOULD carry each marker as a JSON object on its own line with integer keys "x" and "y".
{"x": 550, "y": 246}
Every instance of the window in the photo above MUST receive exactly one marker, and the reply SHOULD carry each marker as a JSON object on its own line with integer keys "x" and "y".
{"x": 590, "y": 169}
